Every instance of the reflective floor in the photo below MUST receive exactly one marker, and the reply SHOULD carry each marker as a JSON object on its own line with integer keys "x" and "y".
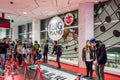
{"x": 50, "y": 72}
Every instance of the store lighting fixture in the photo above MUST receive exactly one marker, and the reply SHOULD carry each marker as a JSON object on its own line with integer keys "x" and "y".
{"x": 96, "y": 1}
{"x": 8, "y": 16}
{"x": 24, "y": 12}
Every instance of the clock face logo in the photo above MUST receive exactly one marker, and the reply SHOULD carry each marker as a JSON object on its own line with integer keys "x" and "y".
{"x": 56, "y": 28}
{"x": 68, "y": 19}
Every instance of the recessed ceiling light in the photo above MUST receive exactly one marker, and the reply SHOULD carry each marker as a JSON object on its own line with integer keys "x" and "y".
{"x": 96, "y": 1}
{"x": 24, "y": 12}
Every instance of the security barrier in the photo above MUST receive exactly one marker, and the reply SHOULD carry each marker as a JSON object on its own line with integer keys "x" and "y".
{"x": 12, "y": 71}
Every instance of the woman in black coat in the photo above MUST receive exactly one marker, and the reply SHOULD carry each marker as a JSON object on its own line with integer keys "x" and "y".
{"x": 87, "y": 57}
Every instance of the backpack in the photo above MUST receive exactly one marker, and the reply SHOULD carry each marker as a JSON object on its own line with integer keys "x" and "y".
{"x": 60, "y": 48}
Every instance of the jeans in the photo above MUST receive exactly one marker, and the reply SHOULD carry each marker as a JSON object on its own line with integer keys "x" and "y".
{"x": 100, "y": 71}
{"x": 58, "y": 59}
{"x": 20, "y": 59}
{"x": 3, "y": 56}
{"x": 89, "y": 68}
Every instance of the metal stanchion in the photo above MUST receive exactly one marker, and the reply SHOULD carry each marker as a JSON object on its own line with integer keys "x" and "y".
{"x": 26, "y": 73}
{"x": 38, "y": 72}
{"x": 78, "y": 76}
{"x": 11, "y": 74}
{"x": 12, "y": 71}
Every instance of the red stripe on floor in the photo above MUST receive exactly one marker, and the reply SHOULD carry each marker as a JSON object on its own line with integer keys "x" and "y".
{"x": 73, "y": 68}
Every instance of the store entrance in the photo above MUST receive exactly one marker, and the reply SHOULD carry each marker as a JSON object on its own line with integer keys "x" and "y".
{"x": 69, "y": 42}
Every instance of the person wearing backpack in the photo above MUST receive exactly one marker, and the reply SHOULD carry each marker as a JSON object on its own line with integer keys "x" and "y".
{"x": 57, "y": 50}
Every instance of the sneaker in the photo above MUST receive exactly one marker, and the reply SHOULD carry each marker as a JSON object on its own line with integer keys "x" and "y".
{"x": 5, "y": 71}
{"x": 58, "y": 68}
{"x": 1, "y": 71}
{"x": 3, "y": 74}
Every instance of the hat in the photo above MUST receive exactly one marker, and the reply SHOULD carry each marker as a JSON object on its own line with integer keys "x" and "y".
{"x": 92, "y": 40}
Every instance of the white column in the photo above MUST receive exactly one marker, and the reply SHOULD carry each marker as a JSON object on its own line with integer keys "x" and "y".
{"x": 85, "y": 26}
{"x": 14, "y": 33}
{"x": 36, "y": 30}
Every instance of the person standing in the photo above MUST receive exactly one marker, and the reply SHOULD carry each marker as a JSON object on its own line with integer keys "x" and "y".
{"x": 87, "y": 57}
{"x": 100, "y": 57}
{"x": 3, "y": 50}
{"x": 45, "y": 51}
{"x": 20, "y": 52}
{"x": 24, "y": 51}
{"x": 15, "y": 49}
{"x": 57, "y": 50}
{"x": 32, "y": 55}
{"x": 36, "y": 46}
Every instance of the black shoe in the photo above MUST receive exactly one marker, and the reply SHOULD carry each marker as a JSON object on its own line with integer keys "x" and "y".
{"x": 3, "y": 74}
{"x": 91, "y": 78}
{"x": 86, "y": 76}
{"x": 58, "y": 68}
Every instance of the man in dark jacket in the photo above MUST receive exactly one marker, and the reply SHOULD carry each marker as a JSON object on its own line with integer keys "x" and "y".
{"x": 57, "y": 50}
{"x": 3, "y": 50}
{"x": 45, "y": 51}
{"x": 100, "y": 57}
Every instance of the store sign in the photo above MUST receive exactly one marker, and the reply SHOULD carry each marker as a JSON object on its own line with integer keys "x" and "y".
{"x": 56, "y": 28}
{"x": 68, "y": 19}
{"x": 4, "y": 23}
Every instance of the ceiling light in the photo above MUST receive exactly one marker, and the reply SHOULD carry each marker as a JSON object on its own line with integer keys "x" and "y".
{"x": 8, "y": 16}
{"x": 24, "y": 12}
{"x": 96, "y": 1}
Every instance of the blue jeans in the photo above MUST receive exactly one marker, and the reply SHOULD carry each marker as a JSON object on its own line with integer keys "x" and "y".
{"x": 3, "y": 56}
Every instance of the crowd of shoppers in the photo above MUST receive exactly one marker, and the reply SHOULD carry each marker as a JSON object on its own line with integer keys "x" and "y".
{"x": 20, "y": 51}
{"x": 94, "y": 53}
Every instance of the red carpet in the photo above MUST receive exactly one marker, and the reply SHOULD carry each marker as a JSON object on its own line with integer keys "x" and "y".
{"x": 83, "y": 71}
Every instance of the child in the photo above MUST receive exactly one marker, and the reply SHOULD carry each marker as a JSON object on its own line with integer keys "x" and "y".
{"x": 33, "y": 55}
{"x": 39, "y": 56}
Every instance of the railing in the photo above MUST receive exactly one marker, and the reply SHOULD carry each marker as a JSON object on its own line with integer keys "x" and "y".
{"x": 12, "y": 67}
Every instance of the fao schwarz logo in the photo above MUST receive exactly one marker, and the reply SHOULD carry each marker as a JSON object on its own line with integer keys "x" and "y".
{"x": 68, "y": 19}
